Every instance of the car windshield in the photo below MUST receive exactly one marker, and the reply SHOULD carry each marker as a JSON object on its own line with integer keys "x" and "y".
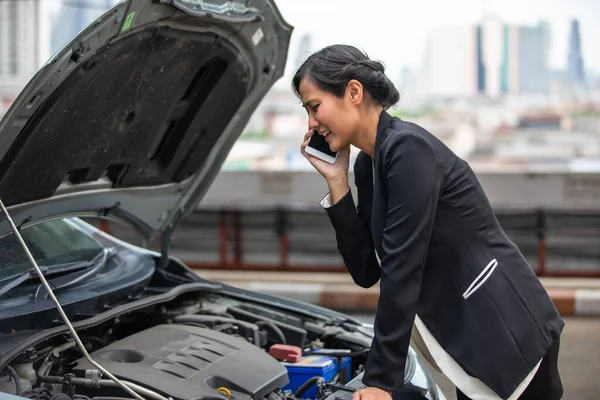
{"x": 51, "y": 243}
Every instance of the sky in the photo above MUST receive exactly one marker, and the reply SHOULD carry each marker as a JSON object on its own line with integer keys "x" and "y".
{"x": 396, "y": 31}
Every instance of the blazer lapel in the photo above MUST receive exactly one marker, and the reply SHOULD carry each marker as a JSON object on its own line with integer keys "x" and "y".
{"x": 379, "y": 200}
{"x": 385, "y": 121}
{"x": 363, "y": 171}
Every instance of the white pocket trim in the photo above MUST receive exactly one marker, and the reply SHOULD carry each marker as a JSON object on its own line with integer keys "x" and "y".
{"x": 488, "y": 269}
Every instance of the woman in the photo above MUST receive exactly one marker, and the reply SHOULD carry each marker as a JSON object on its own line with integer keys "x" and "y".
{"x": 425, "y": 229}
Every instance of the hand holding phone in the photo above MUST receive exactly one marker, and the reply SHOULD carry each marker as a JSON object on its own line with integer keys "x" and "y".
{"x": 318, "y": 147}
{"x": 335, "y": 164}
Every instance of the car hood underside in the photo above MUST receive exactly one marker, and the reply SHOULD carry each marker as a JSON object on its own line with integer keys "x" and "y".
{"x": 133, "y": 118}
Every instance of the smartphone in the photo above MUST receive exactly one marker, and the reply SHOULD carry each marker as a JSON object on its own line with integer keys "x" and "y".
{"x": 318, "y": 147}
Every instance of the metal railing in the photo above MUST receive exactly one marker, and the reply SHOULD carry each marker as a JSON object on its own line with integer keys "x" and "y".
{"x": 554, "y": 242}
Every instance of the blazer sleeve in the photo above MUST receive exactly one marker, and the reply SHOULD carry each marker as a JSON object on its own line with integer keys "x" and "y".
{"x": 354, "y": 240}
{"x": 413, "y": 179}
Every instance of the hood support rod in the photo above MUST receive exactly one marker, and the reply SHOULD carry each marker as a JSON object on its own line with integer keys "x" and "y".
{"x": 64, "y": 316}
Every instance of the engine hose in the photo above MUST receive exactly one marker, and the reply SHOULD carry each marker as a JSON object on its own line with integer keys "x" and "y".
{"x": 52, "y": 356}
{"x": 13, "y": 374}
{"x": 275, "y": 329}
{"x": 315, "y": 380}
{"x": 210, "y": 397}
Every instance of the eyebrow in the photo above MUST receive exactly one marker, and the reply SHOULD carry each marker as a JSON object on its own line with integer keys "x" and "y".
{"x": 306, "y": 103}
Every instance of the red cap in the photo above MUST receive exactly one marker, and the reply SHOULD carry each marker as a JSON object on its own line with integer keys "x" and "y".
{"x": 284, "y": 352}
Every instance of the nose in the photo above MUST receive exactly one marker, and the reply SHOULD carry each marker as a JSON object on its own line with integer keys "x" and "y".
{"x": 312, "y": 122}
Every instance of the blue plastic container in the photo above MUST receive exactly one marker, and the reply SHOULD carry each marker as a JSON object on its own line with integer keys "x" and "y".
{"x": 315, "y": 365}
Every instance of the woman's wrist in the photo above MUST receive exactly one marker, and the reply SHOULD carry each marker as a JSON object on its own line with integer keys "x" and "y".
{"x": 338, "y": 187}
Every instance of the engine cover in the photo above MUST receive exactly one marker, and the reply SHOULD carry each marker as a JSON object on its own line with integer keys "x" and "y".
{"x": 185, "y": 362}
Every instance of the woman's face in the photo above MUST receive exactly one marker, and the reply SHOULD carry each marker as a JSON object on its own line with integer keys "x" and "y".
{"x": 331, "y": 116}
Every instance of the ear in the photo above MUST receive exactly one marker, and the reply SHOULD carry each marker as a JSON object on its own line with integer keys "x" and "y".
{"x": 354, "y": 92}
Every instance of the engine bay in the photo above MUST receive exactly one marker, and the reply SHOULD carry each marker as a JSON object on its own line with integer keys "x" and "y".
{"x": 182, "y": 361}
{"x": 199, "y": 346}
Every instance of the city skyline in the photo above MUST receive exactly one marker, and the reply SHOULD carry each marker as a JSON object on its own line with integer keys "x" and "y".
{"x": 499, "y": 58}
{"x": 383, "y": 27}
{"x": 342, "y": 22}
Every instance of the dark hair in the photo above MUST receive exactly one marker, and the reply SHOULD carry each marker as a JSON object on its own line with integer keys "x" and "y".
{"x": 332, "y": 67}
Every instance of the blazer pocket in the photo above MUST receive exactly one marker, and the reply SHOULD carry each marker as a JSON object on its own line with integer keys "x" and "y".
{"x": 481, "y": 278}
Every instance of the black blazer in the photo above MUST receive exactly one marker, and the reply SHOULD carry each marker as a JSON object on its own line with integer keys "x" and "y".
{"x": 437, "y": 237}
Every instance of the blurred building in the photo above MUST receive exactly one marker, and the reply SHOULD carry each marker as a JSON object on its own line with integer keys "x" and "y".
{"x": 449, "y": 66}
{"x": 24, "y": 45}
{"x": 492, "y": 59}
{"x": 531, "y": 73}
{"x": 575, "y": 74}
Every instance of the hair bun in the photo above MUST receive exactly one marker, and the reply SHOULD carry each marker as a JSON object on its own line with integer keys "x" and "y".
{"x": 372, "y": 64}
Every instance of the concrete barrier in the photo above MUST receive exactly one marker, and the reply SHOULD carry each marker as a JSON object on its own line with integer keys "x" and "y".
{"x": 517, "y": 189}
{"x": 571, "y": 296}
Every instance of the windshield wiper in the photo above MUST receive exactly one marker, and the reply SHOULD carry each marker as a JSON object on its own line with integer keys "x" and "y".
{"x": 31, "y": 274}
{"x": 96, "y": 264}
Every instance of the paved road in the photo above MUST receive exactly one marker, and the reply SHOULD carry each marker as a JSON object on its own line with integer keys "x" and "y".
{"x": 579, "y": 361}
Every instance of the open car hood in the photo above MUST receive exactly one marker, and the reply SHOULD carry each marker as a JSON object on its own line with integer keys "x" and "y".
{"x": 134, "y": 117}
